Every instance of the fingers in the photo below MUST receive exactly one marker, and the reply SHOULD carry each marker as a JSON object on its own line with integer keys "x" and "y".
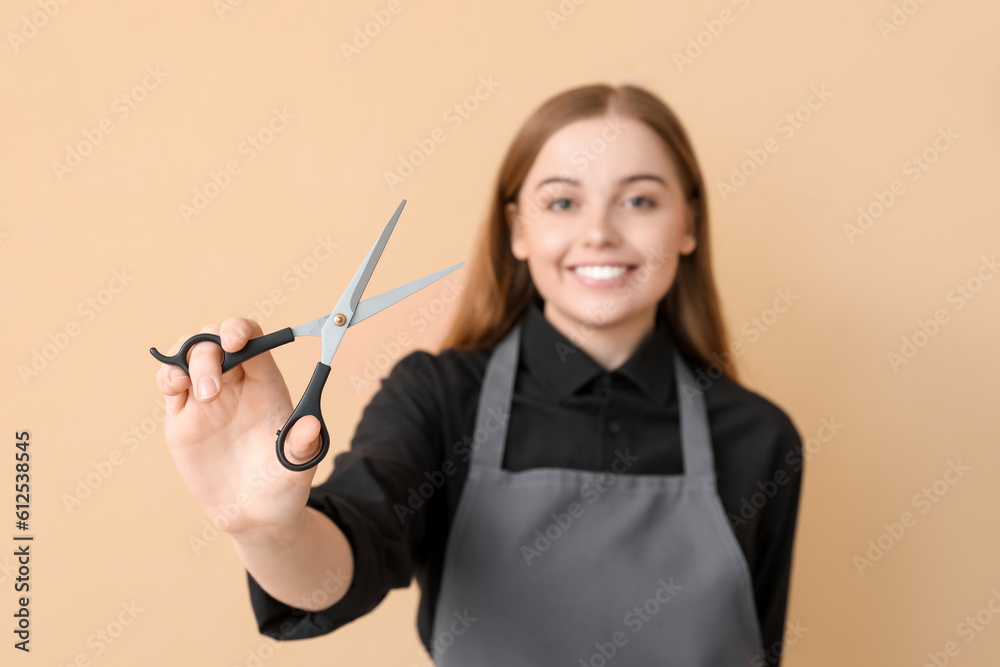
{"x": 173, "y": 382}
{"x": 303, "y": 442}
{"x": 170, "y": 379}
{"x": 205, "y": 366}
{"x": 205, "y": 361}
{"x": 236, "y": 331}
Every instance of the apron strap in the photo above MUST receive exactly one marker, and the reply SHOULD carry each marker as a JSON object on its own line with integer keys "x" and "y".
{"x": 495, "y": 398}
{"x": 696, "y": 440}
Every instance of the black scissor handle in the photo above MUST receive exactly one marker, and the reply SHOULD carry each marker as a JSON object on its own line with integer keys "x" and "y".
{"x": 308, "y": 405}
{"x": 253, "y": 347}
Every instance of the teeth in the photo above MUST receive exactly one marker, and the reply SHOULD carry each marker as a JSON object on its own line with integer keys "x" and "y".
{"x": 600, "y": 272}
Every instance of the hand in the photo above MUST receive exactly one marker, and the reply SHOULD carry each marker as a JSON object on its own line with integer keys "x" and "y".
{"x": 222, "y": 435}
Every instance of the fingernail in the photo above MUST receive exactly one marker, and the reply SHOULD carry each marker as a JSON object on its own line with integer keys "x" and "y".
{"x": 207, "y": 387}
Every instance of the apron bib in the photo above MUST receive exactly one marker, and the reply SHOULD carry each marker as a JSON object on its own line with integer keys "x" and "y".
{"x": 553, "y": 566}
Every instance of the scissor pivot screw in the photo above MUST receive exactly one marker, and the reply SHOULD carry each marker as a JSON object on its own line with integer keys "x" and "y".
{"x": 339, "y": 319}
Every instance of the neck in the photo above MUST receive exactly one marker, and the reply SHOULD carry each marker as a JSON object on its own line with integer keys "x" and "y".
{"x": 610, "y": 345}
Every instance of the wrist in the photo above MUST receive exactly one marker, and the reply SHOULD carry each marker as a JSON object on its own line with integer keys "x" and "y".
{"x": 273, "y": 534}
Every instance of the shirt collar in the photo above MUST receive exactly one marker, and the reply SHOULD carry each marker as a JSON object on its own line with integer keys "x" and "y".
{"x": 563, "y": 368}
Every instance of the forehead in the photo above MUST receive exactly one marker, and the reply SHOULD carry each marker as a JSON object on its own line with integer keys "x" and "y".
{"x": 597, "y": 149}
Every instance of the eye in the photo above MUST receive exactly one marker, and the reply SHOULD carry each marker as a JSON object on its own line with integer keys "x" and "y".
{"x": 640, "y": 201}
{"x": 561, "y": 204}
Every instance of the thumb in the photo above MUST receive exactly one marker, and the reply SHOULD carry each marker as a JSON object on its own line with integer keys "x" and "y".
{"x": 303, "y": 440}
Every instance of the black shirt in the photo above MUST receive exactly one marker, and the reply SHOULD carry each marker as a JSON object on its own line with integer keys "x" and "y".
{"x": 395, "y": 492}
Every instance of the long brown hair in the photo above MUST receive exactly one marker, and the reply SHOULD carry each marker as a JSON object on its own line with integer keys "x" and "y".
{"x": 499, "y": 287}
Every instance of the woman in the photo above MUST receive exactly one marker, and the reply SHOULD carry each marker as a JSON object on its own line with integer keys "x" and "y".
{"x": 574, "y": 478}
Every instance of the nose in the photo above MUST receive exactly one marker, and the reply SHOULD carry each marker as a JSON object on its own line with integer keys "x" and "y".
{"x": 600, "y": 228}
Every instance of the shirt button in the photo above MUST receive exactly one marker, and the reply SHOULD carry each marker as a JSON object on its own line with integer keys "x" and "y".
{"x": 614, "y": 427}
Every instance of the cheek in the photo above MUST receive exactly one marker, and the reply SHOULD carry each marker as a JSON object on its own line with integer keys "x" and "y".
{"x": 547, "y": 244}
{"x": 653, "y": 278}
{"x": 658, "y": 249}
{"x": 667, "y": 236}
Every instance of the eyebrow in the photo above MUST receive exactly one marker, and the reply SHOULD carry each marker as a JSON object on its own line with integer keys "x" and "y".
{"x": 627, "y": 179}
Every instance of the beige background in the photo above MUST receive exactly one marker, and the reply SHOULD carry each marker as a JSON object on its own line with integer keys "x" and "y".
{"x": 63, "y": 237}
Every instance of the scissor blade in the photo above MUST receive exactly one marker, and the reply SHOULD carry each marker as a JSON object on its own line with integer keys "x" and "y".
{"x": 310, "y": 328}
{"x": 360, "y": 281}
{"x": 376, "y": 304}
{"x": 330, "y": 333}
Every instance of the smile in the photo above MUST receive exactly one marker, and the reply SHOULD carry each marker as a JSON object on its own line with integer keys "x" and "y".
{"x": 600, "y": 272}
{"x": 602, "y": 275}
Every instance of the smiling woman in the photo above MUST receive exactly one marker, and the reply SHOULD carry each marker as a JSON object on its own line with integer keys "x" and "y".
{"x": 600, "y": 183}
{"x": 596, "y": 250}
{"x": 595, "y": 229}
{"x": 550, "y": 477}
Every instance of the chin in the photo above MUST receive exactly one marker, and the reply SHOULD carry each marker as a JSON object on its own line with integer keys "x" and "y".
{"x": 588, "y": 311}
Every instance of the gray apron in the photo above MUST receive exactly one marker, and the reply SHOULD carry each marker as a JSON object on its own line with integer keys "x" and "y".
{"x": 552, "y": 566}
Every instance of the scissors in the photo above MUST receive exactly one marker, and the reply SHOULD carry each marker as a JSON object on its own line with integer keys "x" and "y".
{"x": 330, "y": 328}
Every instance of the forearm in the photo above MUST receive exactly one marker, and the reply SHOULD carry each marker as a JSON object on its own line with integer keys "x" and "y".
{"x": 308, "y": 566}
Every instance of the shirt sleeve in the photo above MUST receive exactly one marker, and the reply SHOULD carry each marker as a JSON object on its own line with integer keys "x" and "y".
{"x": 395, "y": 441}
{"x": 776, "y": 539}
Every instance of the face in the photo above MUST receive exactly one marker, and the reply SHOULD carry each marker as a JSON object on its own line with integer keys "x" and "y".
{"x": 601, "y": 219}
